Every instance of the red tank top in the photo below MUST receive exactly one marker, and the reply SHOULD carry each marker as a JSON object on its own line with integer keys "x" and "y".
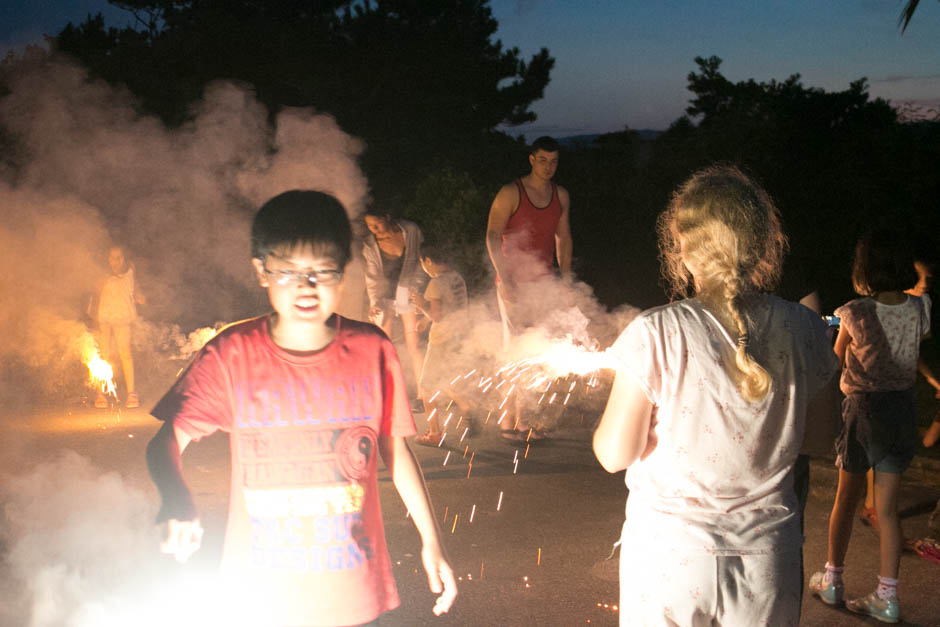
{"x": 529, "y": 237}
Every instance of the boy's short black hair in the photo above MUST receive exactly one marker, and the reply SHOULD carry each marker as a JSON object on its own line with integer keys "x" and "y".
{"x": 302, "y": 217}
{"x": 546, "y": 143}
{"x": 436, "y": 252}
{"x": 884, "y": 262}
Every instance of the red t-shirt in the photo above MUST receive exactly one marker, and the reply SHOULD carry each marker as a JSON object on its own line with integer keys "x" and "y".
{"x": 529, "y": 236}
{"x": 305, "y": 532}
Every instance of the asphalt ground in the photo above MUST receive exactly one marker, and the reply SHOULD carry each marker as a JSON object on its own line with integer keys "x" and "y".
{"x": 528, "y": 533}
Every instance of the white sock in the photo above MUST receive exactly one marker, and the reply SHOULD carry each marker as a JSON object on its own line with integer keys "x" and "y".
{"x": 833, "y": 574}
{"x": 887, "y": 589}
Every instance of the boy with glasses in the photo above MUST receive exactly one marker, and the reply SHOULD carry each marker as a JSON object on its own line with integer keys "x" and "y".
{"x": 309, "y": 398}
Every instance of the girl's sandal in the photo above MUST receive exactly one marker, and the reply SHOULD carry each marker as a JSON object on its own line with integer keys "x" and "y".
{"x": 429, "y": 439}
{"x": 513, "y": 435}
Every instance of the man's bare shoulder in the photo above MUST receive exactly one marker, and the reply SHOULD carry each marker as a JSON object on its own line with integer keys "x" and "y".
{"x": 563, "y": 196}
{"x": 510, "y": 189}
{"x": 507, "y": 197}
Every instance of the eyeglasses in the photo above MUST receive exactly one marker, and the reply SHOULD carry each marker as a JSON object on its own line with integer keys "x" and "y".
{"x": 312, "y": 278}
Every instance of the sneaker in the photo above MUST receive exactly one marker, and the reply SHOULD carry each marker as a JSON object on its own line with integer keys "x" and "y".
{"x": 101, "y": 401}
{"x": 832, "y": 594}
{"x": 132, "y": 401}
{"x": 885, "y": 611}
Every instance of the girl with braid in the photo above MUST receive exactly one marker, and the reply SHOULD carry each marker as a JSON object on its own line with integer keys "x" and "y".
{"x": 707, "y": 410}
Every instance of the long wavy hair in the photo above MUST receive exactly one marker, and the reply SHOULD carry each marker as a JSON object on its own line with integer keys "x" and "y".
{"x": 726, "y": 228}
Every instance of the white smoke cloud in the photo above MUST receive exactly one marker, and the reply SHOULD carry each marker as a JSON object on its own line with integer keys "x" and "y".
{"x": 84, "y": 169}
{"x": 72, "y": 536}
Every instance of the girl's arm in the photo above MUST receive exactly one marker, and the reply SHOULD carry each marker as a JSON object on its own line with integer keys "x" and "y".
{"x": 375, "y": 280}
{"x": 623, "y": 434}
{"x": 406, "y": 475}
{"x": 842, "y": 343}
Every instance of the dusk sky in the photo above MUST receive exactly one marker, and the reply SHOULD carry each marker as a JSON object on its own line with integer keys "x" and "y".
{"x": 624, "y": 63}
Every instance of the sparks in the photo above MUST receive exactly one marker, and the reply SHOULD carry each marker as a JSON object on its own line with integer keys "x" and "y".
{"x": 499, "y": 503}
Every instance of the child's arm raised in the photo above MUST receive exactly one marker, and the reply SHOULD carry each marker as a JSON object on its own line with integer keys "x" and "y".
{"x": 408, "y": 480}
{"x": 624, "y": 433}
{"x": 184, "y": 533}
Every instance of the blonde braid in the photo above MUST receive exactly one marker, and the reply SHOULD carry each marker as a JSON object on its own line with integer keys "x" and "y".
{"x": 754, "y": 381}
{"x": 727, "y": 228}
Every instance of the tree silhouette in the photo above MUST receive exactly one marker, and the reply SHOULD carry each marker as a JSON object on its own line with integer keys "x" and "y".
{"x": 387, "y": 69}
{"x": 424, "y": 82}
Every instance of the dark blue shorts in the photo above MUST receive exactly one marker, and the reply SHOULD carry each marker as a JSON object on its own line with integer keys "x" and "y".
{"x": 879, "y": 430}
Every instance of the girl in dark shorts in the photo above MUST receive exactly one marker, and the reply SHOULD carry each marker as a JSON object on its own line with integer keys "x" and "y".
{"x": 877, "y": 345}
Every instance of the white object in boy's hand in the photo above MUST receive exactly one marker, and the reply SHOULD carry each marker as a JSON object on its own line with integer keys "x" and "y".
{"x": 183, "y": 538}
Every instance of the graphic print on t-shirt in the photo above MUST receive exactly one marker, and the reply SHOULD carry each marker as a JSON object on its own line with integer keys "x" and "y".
{"x": 304, "y": 448}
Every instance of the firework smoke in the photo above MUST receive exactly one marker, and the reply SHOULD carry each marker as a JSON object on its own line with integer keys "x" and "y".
{"x": 83, "y": 169}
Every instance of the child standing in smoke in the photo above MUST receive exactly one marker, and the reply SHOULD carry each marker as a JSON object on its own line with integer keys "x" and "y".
{"x": 878, "y": 347}
{"x": 115, "y": 310}
{"x": 708, "y": 409}
{"x": 445, "y": 304}
{"x": 310, "y": 400}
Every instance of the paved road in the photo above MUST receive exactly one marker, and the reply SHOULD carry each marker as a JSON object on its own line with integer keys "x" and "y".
{"x": 528, "y": 535}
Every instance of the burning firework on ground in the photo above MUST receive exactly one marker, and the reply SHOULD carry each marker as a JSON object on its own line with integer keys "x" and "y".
{"x": 100, "y": 372}
{"x": 540, "y": 389}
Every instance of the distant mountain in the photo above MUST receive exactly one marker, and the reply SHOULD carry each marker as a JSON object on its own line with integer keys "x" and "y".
{"x": 912, "y": 111}
{"x": 576, "y": 141}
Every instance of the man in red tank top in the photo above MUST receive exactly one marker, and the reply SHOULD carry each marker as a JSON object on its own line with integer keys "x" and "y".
{"x": 528, "y": 224}
{"x": 528, "y": 230}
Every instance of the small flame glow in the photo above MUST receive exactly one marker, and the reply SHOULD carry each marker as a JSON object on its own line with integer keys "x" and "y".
{"x": 100, "y": 372}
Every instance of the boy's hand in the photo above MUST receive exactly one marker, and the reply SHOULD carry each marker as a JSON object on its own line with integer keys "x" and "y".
{"x": 440, "y": 578}
{"x": 417, "y": 299}
{"x": 183, "y": 538}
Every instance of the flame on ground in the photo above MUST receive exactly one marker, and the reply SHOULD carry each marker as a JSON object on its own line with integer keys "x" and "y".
{"x": 100, "y": 372}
